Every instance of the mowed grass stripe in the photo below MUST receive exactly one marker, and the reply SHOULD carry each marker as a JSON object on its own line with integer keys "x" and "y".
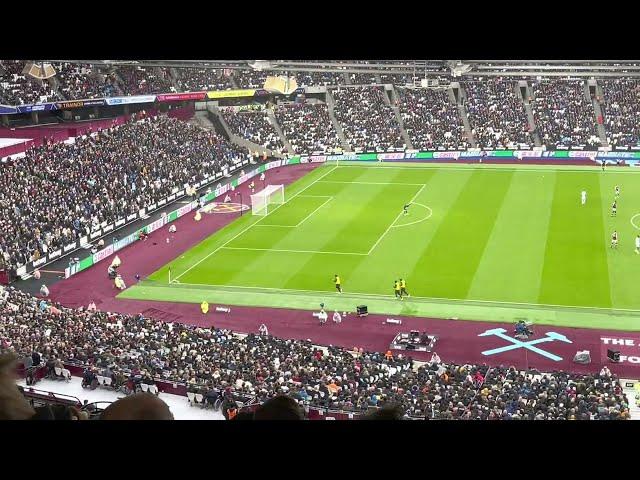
{"x": 575, "y": 265}
{"x": 376, "y": 210}
{"x": 511, "y": 266}
{"x": 450, "y": 262}
{"x": 184, "y": 261}
{"x": 624, "y": 263}
{"x": 398, "y": 254}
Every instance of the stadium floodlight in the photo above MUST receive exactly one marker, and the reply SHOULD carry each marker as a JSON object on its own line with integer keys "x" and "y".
{"x": 271, "y": 195}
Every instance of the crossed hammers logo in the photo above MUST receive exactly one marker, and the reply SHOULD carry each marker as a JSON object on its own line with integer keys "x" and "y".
{"x": 515, "y": 343}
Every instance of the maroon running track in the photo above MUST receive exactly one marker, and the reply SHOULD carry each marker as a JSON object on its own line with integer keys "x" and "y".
{"x": 458, "y": 339}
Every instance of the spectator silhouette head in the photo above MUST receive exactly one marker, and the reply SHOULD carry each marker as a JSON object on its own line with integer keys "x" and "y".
{"x": 281, "y": 407}
{"x": 140, "y": 406}
{"x": 13, "y": 405}
{"x": 393, "y": 412}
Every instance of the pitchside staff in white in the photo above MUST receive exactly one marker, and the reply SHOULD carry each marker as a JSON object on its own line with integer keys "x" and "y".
{"x": 638, "y": 244}
{"x": 583, "y": 197}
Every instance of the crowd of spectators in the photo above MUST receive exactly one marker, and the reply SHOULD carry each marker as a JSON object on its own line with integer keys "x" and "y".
{"x": 19, "y": 89}
{"x": 431, "y": 119}
{"x": 255, "y": 126}
{"x": 367, "y": 121}
{"x": 250, "y": 78}
{"x": 319, "y": 78}
{"x": 363, "y": 78}
{"x": 496, "y": 113}
{"x": 198, "y": 79}
{"x": 396, "y": 79}
{"x": 563, "y": 115}
{"x": 145, "y": 80}
{"x": 80, "y": 81}
{"x": 59, "y": 192}
{"x": 260, "y": 367}
{"x": 621, "y": 111}
{"x": 307, "y": 127}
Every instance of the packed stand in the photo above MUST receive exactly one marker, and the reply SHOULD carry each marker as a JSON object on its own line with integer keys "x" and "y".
{"x": 218, "y": 362}
{"x": 367, "y": 121}
{"x": 307, "y": 127}
{"x": 319, "y": 78}
{"x": 396, "y": 79}
{"x": 431, "y": 120}
{"x": 255, "y": 126}
{"x": 198, "y": 79}
{"x": 362, "y": 78}
{"x": 145, "y": 80}
{"x": 563, "y": 115}
{"x": 497, "y": 116}
{"x": 80, "y": 81}
{"x": 59, "y": 192}
{"x": 17, "y": 89}
{"x": 249, "y": 78}
{"x": 621, "y": 111}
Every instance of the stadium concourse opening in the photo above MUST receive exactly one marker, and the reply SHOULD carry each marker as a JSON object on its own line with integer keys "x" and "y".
{"x": 456, "y": 207}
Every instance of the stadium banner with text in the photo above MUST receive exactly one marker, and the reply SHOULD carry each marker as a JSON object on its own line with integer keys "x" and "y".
{"x": 129, "y": 100}
{"x": 231, "y": 93}
{"x": 44, "y": 107}
{"x": 7, "y": 110}
{"x": 177, "y": 97}
{"x": 80, "y": 104}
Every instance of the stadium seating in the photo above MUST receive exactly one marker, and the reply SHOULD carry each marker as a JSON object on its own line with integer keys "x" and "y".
{"x": 17, "y": 89}
{"x": 497, "y": 116}
{"x": 143, "y": 81}
{"x": 307, "y": 127}
{"x": 367, "y": 121}
{"x": 431, "y": 120}
{"x": 197, "y": 79}
{"x": 621, "y": 111}
{"x": 327, "y": 378}
{"x": 563, "y": 115}
{"x": 80, "y": 81}
{"x": 253, "y": 125}
{"x": 100, "y": 178}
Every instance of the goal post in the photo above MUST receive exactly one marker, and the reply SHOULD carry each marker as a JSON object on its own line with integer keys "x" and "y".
{"x": 261, "y": 201}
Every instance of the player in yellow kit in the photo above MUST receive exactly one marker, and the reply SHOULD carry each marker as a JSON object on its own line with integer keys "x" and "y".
{"x": 338, "y": 283}
{"x": 403, "y": 288}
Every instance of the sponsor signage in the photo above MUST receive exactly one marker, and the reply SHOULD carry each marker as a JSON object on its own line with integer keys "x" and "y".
{"x": 55, "y": 254}
{"x": 186, "y": 209}
{"x": 231, "y": 93}
{"x": 131, "y": 217}
{"x": 79, "y": 104}
{"x": 391, "y": 156}
{"x": 152, "y": 227}
{"x": 629, "y": 348}
{"x": 454, "y": 155}
{"x": 94, "y": 235}
{"x": 128, "y": 100}
{"x": 126, "y": 241}
{"x": 161, "y": 202}
{"x": 120, "y": 222}
{"x": 176, "y": 97}
{"x": 170, "y": 198}
{"x": 102, "y": 254}
{"x": 36, "y": 108}
{"x": 108, "y": 228}
{"x": 152, "y": 206}
{"x": 5, "y": 110}
{"x": 39, "y": 262}
{"x": 69, "y": 247}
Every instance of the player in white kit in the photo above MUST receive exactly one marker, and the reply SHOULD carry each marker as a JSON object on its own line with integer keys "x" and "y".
{"x": 638, "y": 244}
{"x": 617, "y": 191}
{"x": 614, "y": 239}
{"x": 583, "y": 197}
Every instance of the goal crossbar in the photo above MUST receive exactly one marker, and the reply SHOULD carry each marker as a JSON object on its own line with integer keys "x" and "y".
{"x": 260, "y": 201}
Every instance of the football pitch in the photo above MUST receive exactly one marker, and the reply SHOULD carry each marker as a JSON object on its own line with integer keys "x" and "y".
{"x": 485, "y": 242}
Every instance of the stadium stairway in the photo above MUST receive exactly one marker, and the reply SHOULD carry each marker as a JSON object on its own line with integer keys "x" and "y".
{"x": 396, "y": 110}
{"x": 276, "y": 126}
{"x": 527, "y": 108}
{"x": 597, "y": 109}
{"x": 243, "y": 142}
{"x": 343, "y": 140}
{"x": 462, "y": 109}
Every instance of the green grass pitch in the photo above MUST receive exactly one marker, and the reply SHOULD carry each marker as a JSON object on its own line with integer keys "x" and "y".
{"x": 480, "y": 242}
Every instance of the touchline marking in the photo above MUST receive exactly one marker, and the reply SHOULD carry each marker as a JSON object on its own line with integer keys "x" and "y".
{"x": 396, "y": 219}
{"x": 373, "y": 183}
{"x": 632, "y": 223}
{"x": 417, "y": 221}
{"x": 290, "y": 251}
{"x": 392, "y": 298}
{"x": 246, "y": 229}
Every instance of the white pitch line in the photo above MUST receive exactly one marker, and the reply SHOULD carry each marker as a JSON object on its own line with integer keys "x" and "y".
{"x": 417, "y": 221}
{"x": 396, "y": 219}
{"x": 632, "y": 222}
{"x": 437, "y": 299}
{"x": 315, "y": 196}
{"x": 246, "y": 229}
{"x": 307, "y": 217}
{"x": 373, "y": 183}
{"x": 290, "y": 251}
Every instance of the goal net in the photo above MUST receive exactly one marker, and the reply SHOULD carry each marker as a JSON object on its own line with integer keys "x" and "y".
{"x": 261, "y": 201}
